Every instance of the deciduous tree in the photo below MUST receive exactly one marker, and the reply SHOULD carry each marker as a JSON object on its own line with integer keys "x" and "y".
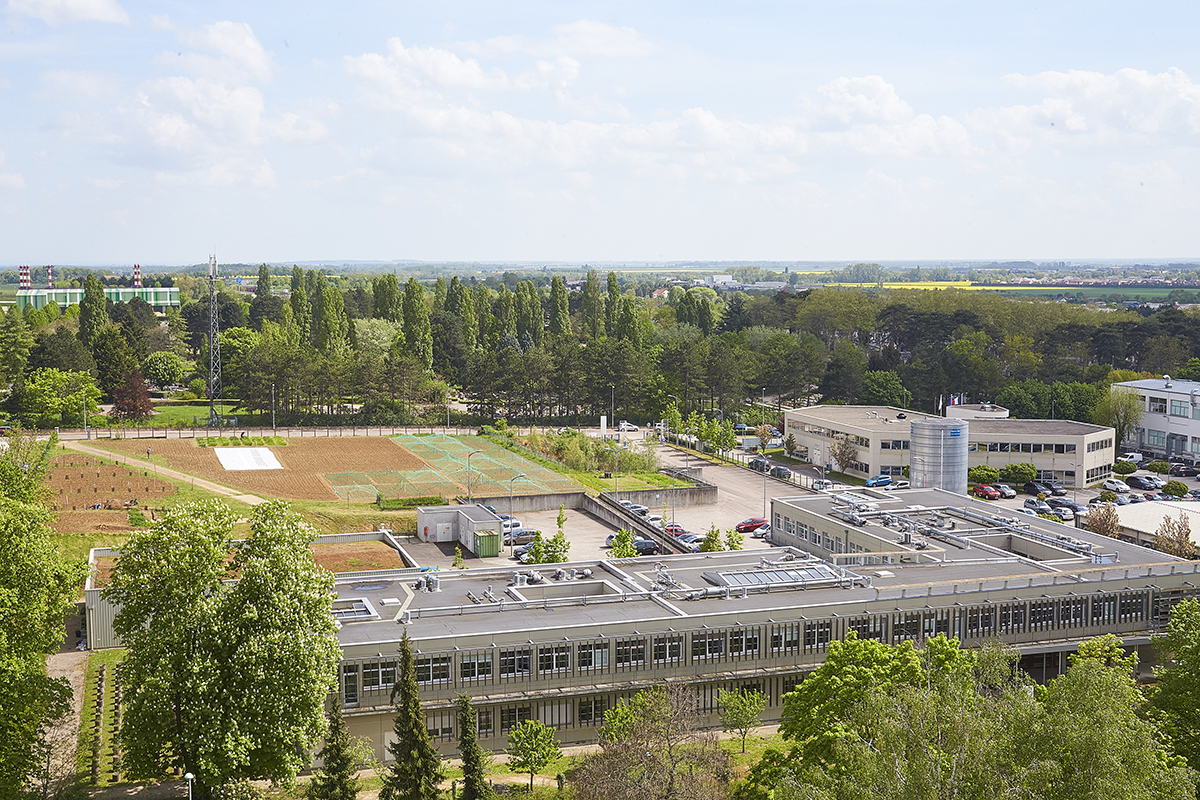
{"x": 741, "y": 710}
{"x": 1174, "y": 536}
{"x": 531, "y": 748}
{"x": 1120, "y": 409}
{"x": 1102, "y": 518}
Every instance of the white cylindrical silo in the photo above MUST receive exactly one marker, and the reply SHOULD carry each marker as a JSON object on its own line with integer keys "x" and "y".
{"x": 937, "y": 454}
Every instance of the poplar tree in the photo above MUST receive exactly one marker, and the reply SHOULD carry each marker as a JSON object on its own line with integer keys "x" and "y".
{"x": 416, "y": 768}
{"x": 560, "y": 314}
{"x": 336, "y": 780}
{"x": 417, "y": 333}
{"x": 297, "y": 278}
{"x": 474, "y": 764}
{"x": 302, "y": 316}
{"x": 483, "y": 312}
{"x": 439, "y": 294}
{"x": 263, "y": 289}
{"x": 15, "y": 343}
{"x": 612, "y": 305}
{"x": 593, "y": 306}
{"x": 93, "y": 310}
{"x": 331, "y": 336}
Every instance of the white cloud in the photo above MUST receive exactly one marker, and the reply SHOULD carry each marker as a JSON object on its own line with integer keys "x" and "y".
{"x": 433, "y": 67}
{"x": 583, "y": 38}
{"x": 231, "y": 53}
{"x": 58, "y": 12}
{"x": 11, "y": 180}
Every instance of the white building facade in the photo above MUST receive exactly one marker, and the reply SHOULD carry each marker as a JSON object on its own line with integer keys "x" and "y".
{"x": 1171, "y": 417}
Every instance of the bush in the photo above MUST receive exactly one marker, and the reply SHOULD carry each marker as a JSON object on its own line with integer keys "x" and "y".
{"x": 1018, "y": 473}
{"x": 238, "y": 790}
{"x": 198, "y": 387}
{"x": 393, "y": 503}
{"x": 983, "y": 474}
{"x": 1159, "y": 467}
{"x": 1175, "y": 488}
{"x": 1108, "y": 496}
{"x": 1124, "y": 468}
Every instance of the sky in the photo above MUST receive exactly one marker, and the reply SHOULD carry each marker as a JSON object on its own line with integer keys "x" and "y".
{"x": 160, "y": 133}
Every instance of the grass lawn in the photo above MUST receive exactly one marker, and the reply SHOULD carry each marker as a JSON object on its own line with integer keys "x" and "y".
{"x": 94, "y": 760}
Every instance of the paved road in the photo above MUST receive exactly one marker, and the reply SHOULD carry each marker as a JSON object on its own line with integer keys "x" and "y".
{"x": 215, "y": 488}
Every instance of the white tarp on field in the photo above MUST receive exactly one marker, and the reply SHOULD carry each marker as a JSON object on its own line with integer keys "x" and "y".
{"x": 243, "y": 458}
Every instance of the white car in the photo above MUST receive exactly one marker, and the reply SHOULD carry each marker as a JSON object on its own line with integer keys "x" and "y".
{"x": 1132, "y": 458}
{"x": 822, "y": 485}
{"x": 1065, "y": 514}
{"x": 1156, "y": 480}
{"x": 510, "y": 524}
{"x": 894, "y": 485}
{"x": 655, "y": 519}
{"x": 1006, "y": 491}
{"x": 627, "y": 426}
{"x": 762, "y": 532}
{"x": 1120, "y": 487}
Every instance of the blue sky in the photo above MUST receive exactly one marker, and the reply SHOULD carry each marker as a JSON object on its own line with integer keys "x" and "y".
{"x": 582, "y": 131}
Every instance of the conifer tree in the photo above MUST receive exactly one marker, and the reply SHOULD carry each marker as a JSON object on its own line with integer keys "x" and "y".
{"x": 336, "y": 780}
{"x": 612, "y": 304}
{"x": 416, "y": 767}
{"x": 302, "y": 315}
{"x": 15, "y": 343}
{"x": 93, "y": 310}
{"x": 593, "y": 306}
{"x": 474, "y": 765}
{"x": 483, "y": 311}
{"x": 297, "y": 278}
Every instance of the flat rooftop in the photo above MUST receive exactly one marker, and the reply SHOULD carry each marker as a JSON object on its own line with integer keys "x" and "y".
{"x": 885, "y": 418}
{"x": 988, "y": 547}
{"x": 1163, "y": 385}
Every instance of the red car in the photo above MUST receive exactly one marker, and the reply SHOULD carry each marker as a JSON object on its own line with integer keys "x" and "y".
{"x": 747, "y": 525}
{"x": 986, "y": 492}
{"x": 675, "y": 529}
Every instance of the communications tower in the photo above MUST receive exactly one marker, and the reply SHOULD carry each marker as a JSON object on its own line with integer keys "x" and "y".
{"x": 214, "y": 346}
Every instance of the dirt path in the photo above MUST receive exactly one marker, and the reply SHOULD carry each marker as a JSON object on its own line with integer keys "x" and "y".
{"x": 215, "y": 488}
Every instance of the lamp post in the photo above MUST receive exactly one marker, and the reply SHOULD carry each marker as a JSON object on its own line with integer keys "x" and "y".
{"x": 189, "y": 778}
{"x": 447, "y": 409}
{"x": 764, "y": 408}
{"x": 676, "y": 399}
{"x": 617, "y": 470}
{"x": 272, "y": 409}
{"x": 612, "y": 408}
{"x": 473, "y": 453}
{"x": 511, "y": 538}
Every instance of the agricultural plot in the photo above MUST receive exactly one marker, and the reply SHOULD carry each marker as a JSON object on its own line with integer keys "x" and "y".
{"x": 80, "y": 482}
{"x": 490, "y": 470}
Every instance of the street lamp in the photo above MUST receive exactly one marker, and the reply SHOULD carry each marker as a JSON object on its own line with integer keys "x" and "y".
{"x": 617, "y": 470}
{"x": 612, "y": 409}
{"x": 189, "y": 778}
{"x": 511, "y": 538}
{"x": 473, "y": 453}
{"x": 764, "y": 407}
{"x": 685, "y": 457}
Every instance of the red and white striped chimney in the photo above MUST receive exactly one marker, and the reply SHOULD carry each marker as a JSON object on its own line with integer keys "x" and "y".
{"x": 49, "y": 276}
{"x": 137, "y": 276}
{"x": 23, "y": 272}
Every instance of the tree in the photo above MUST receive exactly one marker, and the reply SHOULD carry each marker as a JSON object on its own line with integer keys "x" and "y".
{"x": 560, "y": 315}
{"x": 557, "y": 549}
{"x": 882, "y": 388}
{"x": 1019, "y": 473}
{"x": 1175, "y": 488}
{"x": 734, "y": 540}
{"x": 1120, "y": 409}
{"x": 1178, "y": 675}
{"x": 654, "y": 748}
{"x": 843, "y": 452}
{"x": 15, "y": 343}
{"x": 93, "y": 310}
{"x": 474, "y": 762}
{"x": 113, "y": 359}
{"x": 24, "y": 465}
{"x": 622, "y": 546}
{"x": 1125, "y": 468}
{"x": 593, "y": 306}
{"x": 263, "y": 287}
{"x": 531, "y": 748}
{"x": 712, "y": 541}
{"x": 789, "y": 444}
{"x": 163, "y": 369}
{"x": 417, "y": 334}
{"x": 131, "y": 400}
{"x": 982, "y": 473}
{"x": 741, "y": 710}
{"x": 1102, "y": 518}
{"x": 1174, "y": 536}
{"x": 209, "y": 688}
{"x": 337, "y": 778}
{"x": 612, "y": 304}
{"x": 1158, "y": 467}
{"x": 416, "y": 768}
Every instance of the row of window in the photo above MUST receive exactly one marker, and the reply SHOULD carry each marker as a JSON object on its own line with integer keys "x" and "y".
{"x": 1100, "y": 444}
{"x": 830, "y": 433}
{"x": 1022, "y": 447}
{"x": 1178, "y": 408}
{"x": 730, "y": 644}
{"x": 895, "y": 444}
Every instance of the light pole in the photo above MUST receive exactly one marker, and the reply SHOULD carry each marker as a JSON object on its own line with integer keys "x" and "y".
{"x": 189, "y": 778}
{"x": 764, "y": 410}
{"x": 686, "y": 463}
{"x": 272, "y": 409}
{"x": 447, "y": 409}
{"x": 612, "y": 408}
{"x": 474, "y": 453}
{"x": 617, "y": 470}
{"x": 511, "y": 538}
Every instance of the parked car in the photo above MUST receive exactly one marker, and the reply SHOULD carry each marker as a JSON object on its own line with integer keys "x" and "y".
{"x": 1158, "y": 482}
{"x": 510, "y": 525}
{"x": 675, "y": 529}
{"x": 1035, "y": 488}
{"x": 656, "y": 520}
{"x": 759, "y": 464}
{"x": 896, "y": 485}
{"x": 1132, "y": 458}
{"x": 638, "y": 508}
{"x": 780, "y": 471}
{"x": 1114, "y": 485}
{"x": 519, "y": 536}
{"x": 519, "y": 552}
{"x": 747, "y": 525}
{"x": 1122, "y": 500}
{"x": 1140, "y": 482}
{"x": 1055, "y": 488}
{"x": 1006, "y": 491}
{"x": 608, "y": 542}
{"x": 762, "y": 531}
{"x": 741, "y": 427}
{"x": 1134, "y": 498}
{"x": 1064, "y": 513}
{"x": 1194, "y": 494}
{"x": 821, "y": 484}
{"x": 691, "y": 538}
{"x": 879, "y": 480}
{"x": 1183, "y": 471}
{"x": 1062, "y": 502}
{"x": 624, "y": 426}
{"x": 986, "y": 492}
{"x": 645, "y": 547}
{"x": 1038, "y": 506}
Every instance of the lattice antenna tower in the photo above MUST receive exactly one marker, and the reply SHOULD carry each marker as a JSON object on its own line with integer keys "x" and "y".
{"x": 214, "y": 346}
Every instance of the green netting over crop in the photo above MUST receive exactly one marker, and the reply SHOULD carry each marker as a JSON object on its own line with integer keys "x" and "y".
{"x": 491, "y": 469}
{"x": 391, "y": 483}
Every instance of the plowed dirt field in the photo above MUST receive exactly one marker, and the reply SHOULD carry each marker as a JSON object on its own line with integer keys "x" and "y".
{"x": 305, "y": 463}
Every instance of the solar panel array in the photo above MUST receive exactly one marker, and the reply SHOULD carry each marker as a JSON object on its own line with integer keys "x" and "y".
{"x": 810, "y": 573}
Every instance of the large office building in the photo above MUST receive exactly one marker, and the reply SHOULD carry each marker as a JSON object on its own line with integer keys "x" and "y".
{"x": 1171, "y": 417}
{"x": 1075, "y": 453}
{"x": 562, "y": 643}
{"x": 159, "y": 297}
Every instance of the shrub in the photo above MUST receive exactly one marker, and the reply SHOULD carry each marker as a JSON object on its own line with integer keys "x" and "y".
{"x": 1159, "y": 467}
{"x": 392, "y": 503}
{"x": 1108, "y": 496}
{"x": 198, "y": 387}
{"x": 1124, "y": 468}
{"x": 238, "y": 790}
{"x": 1175, "y": 488}
{"x": 983, "y": 474}
{"x": 1018, "y": 473}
